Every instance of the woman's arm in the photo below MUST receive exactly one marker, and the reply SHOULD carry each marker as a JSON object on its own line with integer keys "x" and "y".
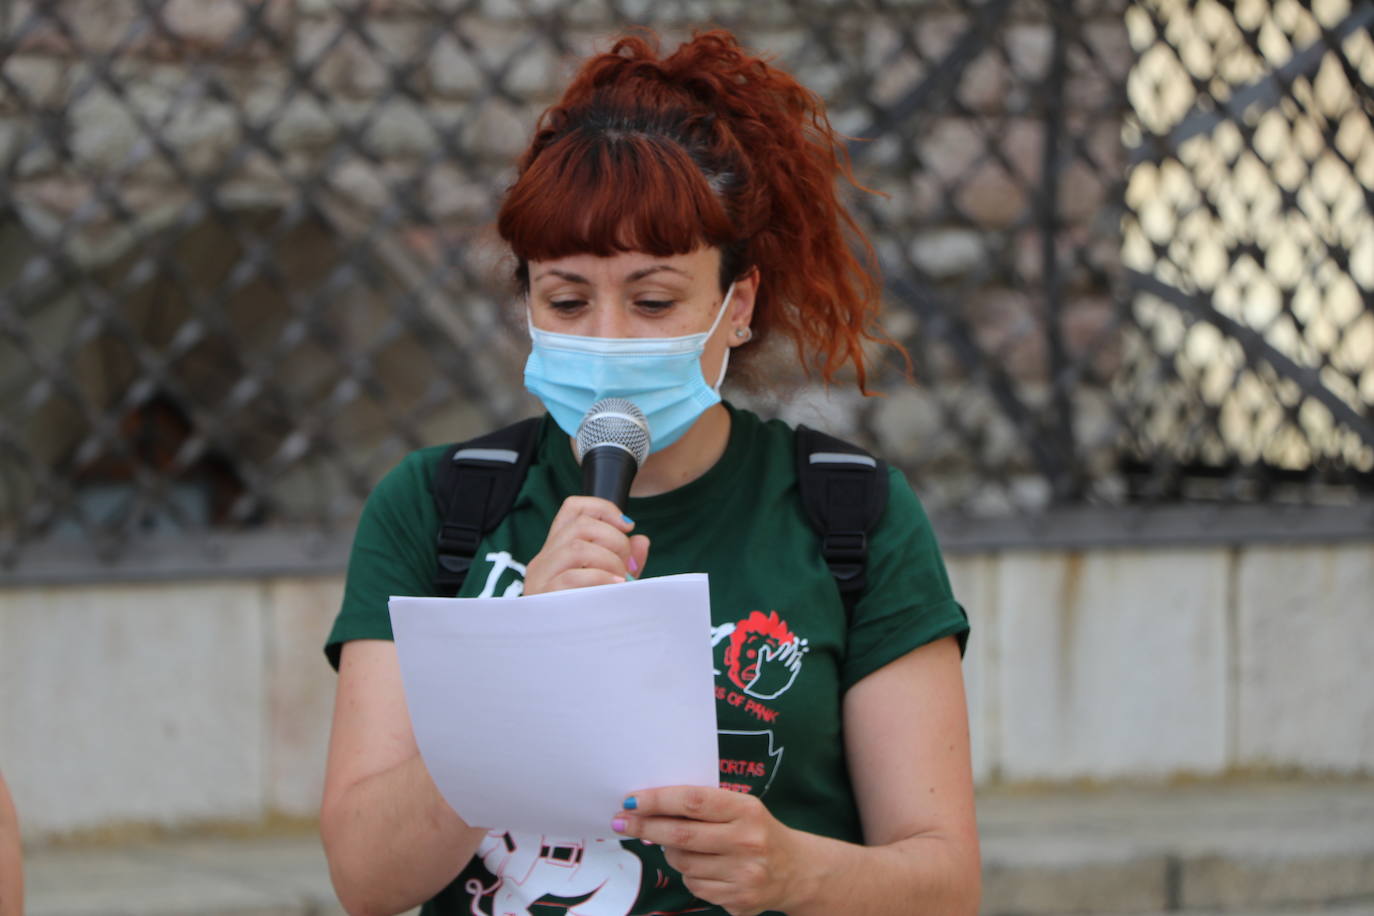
{"x": 391, "y": 840}
{"x": 906, "y": 728}
{"x": 906, "y": 736}
{"x": 11, "y": 857}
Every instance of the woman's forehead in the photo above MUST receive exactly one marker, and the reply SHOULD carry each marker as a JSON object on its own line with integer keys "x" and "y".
{"x": 630, "y": 266}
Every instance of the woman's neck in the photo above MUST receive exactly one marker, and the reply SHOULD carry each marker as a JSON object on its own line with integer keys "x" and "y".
{"x": 686, "y": 459}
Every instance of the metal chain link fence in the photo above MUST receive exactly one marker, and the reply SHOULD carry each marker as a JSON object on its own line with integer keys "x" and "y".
{"x": 247, "y": 263}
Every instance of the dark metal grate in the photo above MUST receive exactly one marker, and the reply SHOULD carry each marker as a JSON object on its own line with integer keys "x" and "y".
{"x": 245, "y": 263}
{"x": 1250, "y": 250}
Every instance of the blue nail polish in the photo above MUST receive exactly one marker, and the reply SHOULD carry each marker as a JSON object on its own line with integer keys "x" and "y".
{"x": 626, "y": 519}
{"x": 631, "y": 803}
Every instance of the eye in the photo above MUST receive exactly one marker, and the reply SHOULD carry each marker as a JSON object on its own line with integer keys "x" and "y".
{"x": 566, "y": 305}
{"x": 654, "y": 305}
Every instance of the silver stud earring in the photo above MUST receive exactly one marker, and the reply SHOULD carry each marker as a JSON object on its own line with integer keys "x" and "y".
{"x": 744, "y": 333}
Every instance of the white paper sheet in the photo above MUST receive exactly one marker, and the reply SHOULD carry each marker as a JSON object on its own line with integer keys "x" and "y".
{"x": 541, "y": 713}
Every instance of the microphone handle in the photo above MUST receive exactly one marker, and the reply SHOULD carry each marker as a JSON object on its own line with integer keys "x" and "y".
{"x": 607, "y": 472}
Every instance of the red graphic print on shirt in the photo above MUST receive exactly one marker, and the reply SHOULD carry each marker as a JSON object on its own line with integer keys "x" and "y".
{"x": 764, "y": 657}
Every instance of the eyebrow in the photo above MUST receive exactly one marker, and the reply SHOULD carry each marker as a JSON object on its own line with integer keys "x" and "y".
{"x": 631, "y": 277}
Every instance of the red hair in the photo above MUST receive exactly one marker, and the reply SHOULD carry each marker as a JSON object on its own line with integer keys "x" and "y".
{"x": 708, "y": 146}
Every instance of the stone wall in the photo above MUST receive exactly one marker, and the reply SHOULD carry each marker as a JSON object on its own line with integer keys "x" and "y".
{"x": 322, "y": 172}
{"x": 291, "y": 84}
{"x": 1164, "y": 664}
{"x": 165, "y": 704}
{"x": 181, "y": 703}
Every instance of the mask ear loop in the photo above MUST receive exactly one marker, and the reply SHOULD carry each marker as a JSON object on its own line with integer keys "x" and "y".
{"x": 529, "y": 317}
{"x": 725, "y": 362}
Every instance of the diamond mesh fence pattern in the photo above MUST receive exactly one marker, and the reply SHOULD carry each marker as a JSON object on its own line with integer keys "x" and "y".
{"x": 1250, "y": 244}
{"x": 247, "y": 262}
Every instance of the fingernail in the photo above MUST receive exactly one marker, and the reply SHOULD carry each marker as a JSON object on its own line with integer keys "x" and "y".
{"x": 634, "y": 565}
{"x": 631, "y": 803}
{"x": 618, "y": 824}
{"x": 626, "y": 519}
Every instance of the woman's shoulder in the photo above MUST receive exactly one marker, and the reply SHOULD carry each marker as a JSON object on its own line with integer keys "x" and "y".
{"x": 769, "y": 432}
{"x": 761, "y": 447}
{"x": 778, "y": 437}
{"x": 781, "y": 435}
{"x": 413, "y": 474}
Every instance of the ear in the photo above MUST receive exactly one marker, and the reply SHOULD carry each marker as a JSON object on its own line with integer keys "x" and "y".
{"x": 742, "y": 305}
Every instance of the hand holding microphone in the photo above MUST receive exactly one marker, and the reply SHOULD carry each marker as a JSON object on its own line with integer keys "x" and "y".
{"x": 589, "y": 541}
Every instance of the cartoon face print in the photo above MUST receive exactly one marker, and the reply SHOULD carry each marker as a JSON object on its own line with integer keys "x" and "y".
{"x": 531, "y": 867}
{"x": 764, "y": 656}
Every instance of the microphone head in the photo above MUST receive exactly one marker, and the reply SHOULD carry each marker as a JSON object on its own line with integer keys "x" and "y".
{"x": 615, "y": 422}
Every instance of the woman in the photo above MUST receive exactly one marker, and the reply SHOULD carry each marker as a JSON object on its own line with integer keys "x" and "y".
{"x": 671, "y": 206}
{"x": 11, "y": 857}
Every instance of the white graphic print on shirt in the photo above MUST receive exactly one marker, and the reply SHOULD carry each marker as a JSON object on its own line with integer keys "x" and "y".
{"x": 529, "y": 866}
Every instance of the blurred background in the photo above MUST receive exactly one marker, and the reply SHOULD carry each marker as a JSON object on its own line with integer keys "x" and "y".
{"x": 246, "y": 264}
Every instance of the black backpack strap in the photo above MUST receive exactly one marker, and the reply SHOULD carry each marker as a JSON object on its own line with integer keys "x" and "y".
{"x": 475, "y": 484}
{"x": 844, "y": 491}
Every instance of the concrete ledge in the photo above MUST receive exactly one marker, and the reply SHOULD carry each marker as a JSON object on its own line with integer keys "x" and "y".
{"x": 1351, "y": 909}
{"x": 1133, "y": 885}
{"x": 311, "y": 552}
{"x": 1113, "y": 664}
{"x": 283, "y": 876}
{"x": 1252, "y": 847}
{"x": 1168, "y": 527}
{"x": 1229, "y": 882}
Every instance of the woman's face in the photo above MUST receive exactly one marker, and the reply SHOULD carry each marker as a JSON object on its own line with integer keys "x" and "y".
{"x": 641, "y": 295}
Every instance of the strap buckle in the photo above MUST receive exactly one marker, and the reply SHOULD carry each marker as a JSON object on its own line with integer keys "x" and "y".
{"x": 844, "y": 553}
{"x": 461, "y": 539}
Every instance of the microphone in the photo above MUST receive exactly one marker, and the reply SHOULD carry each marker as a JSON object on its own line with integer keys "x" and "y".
{"x": 612, "y": 442}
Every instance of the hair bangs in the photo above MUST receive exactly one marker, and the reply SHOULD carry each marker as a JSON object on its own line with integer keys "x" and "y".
{"x": 607, "y": 192}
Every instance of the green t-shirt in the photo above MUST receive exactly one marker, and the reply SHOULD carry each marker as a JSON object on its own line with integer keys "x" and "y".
{"x": 785, "y": 649}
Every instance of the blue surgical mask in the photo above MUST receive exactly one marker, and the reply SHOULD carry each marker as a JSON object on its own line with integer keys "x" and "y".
{"x": 661, "y": 375}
